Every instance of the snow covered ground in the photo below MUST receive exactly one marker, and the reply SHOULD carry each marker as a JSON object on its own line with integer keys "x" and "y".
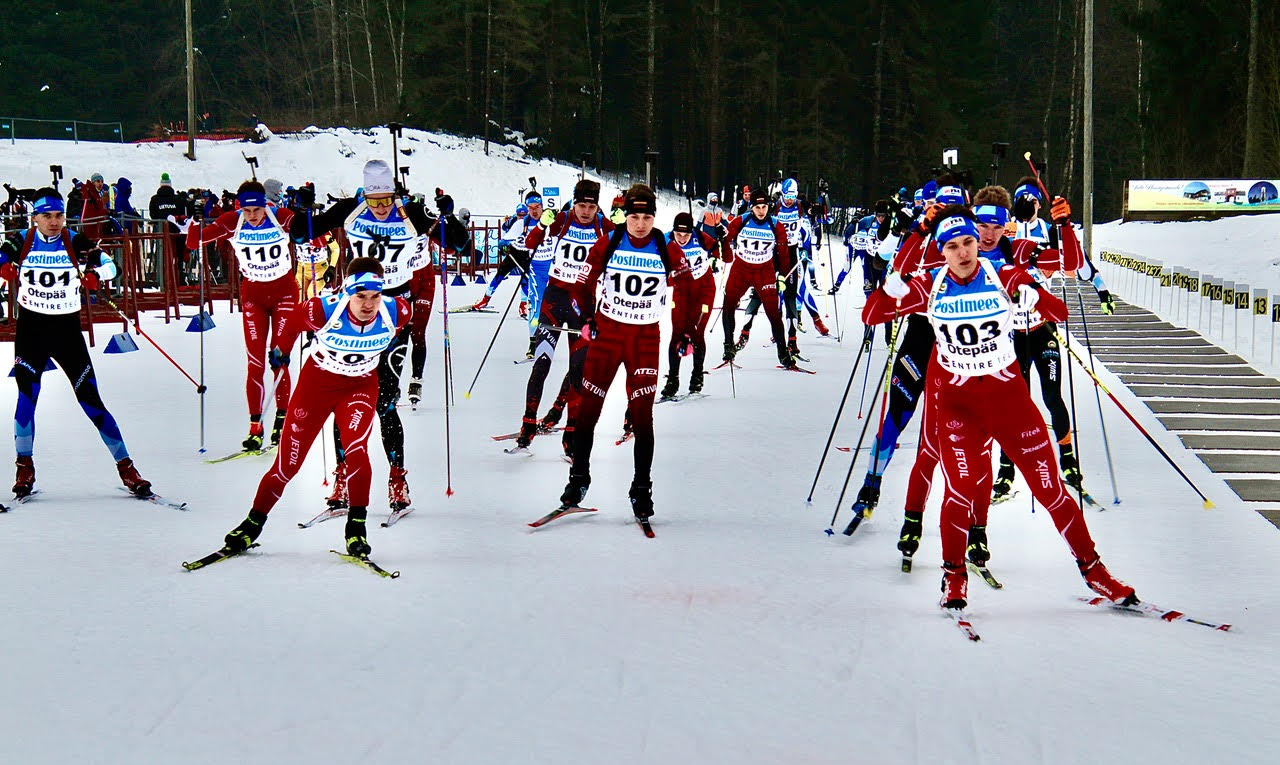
{"x": 741, "y": 634}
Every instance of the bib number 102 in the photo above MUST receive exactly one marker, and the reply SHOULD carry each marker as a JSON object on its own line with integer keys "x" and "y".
{"x": 967, "y": 334}
{"x": 635, "y": 285}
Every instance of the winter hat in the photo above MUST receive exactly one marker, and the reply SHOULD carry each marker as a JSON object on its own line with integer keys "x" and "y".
{"x": 713, "y": 199}
{"x": 992, "y": 214}
{"x": 640, "y": 200}
{"x": 759, "y": 197}
{"x": 954, "y": 226}
{"x": 378, "y": 178}
{"x": 464, "y": 215}
{"x": 96, "y": 177}
{"x": 123, "y": 185}
{"x": 586, "y": 191}
{"x": 164, "y": 180}
{"x": 47, "y": 201}
{"x": 683, "y": 223}
{"x": 533, "y": 198}
{"x": 882, "y": 207}
{"x": 522, "y": 210}
{"x": 790, "y": 189}
{"x": 951, "y": 195}
{"x": 444, "y": 203}
{"x": 273, "y": 187}
{"x": 930, "y": 191}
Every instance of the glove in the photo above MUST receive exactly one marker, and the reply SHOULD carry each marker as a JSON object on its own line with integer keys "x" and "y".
{"x": 715, "y": 264}
{"x": 1107, "y": 302}
{"x": 782, "y": 283}
{"x": 931, "y": 214}
{"x": 278, "y": 358}
{"x": 306, "y": 197}
{"x": 590, "y": 330}
{"x": 1028, "y": 296}
{"x": 895, "y": 288}
{"x": 90, "y": 281}
{"x": 548, "y": 217}
{"x": 9, "y": 272}
{"x": 1060, "y": 212}
{"x": 617, "y": 217}
{"x": 684, "y": 346}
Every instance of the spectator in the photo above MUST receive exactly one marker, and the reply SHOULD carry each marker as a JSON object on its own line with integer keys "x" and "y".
{"x": 122, "y": 211}
{"x": 166, "y": 205}
{"x": 93, "y": 214}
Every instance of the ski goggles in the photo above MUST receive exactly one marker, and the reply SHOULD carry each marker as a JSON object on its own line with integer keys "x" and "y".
{"x": 378, "y": 202}
{"x": 992, "y": 214}
{"x": 49, "y": 205}
{"x": 954, "y": 227}
{"x": 361, "y": 282}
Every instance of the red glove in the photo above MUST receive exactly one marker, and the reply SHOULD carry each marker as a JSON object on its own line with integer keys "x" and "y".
{"x": 91, "y": 281}
{"x": 1060, "y": 212}
{"x": 9, "y": 272}
{"x": 930, "y": 218}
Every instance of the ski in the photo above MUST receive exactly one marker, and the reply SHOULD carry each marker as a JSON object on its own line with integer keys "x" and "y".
{"x": 396, "y": 514}
{"x": 1088, "y": 499}
{"x": 692, "y": 397}
{"x": 906, "y": 564}
{"x": 214, "y": 557}
{"x": 1004, "y": 497}
{"x": 854, "y": 523}
{"x": 625, "y": 438}
{"x": 471, "y": 309}
{"x": 367, "y": 564}
{"x": 327, "y": 514}
{"x": 986, "y": 575}
{"x": 523, "y": 361}
{"x": 25, "y": 498}
{"x": 666, "y": 399}
{"x": 644, "y": 525}
{"x": 798, "y": 369}
{"x": 522, "y": 451}
{"x": 961, "y": 620}
{"x": 1150, "y": 609}
{"x": 241, "y": 453}
{"x": 541, "y": 431}
{"x": 560, "y": 512}
{"x": 724, "y": 364}
{"x": 156, "y": 498}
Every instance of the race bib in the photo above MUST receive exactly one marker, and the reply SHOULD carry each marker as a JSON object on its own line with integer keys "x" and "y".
{"x": 391, "y": 242}
{"x": 570, "y": 252}
{"x": 310, "y": 255}
{"x": 755, "y": 243}
{"x": 972, "y": 323}
{"x": 345, "y": 349}
{"x": 262, "y": 253}
{"x": 699, "y": 259}
{"x": 48, "y": 282}
{"x": 635, "y": 285}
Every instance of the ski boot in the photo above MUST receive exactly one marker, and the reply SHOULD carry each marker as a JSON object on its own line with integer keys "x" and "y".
{"x": 482, "y": 302}
{"x": 553, "y": 416}
{"x": 357, "y": 541}
{"x": 1102, "y": 582}
{"x": 1003, "y": 486}
{"x": 415, "y": 391}
{"x": 865, "y": 505}
{"x": 576, "y": 490}
{"x": 1070, "y": 467}
{"x": 566, "y": 444}
{"x": 524, "y": 310}
{"x": 909, "y": 537}
{"x": 243, "y": 536}
{"x": 978, "y": 553}
{"x": 131, "y": 480}
{"x": 277, "y": 426}
{"x": 398, "y": 489}
{"x": 787, "y": 359}
{"x": 743, "y": 336}
{"x": 955, "y": 586}
{"x": 822, "y": 328}
{"x": 792, "y": 348}
{"x": 671, "y": 388}
{"x": 730, "y": 351}
{"x": 641, "y": 495}
{"x": 695, "y": 381}
{"x": 26, "y": 477}
{"x": 338, "y": 497}
{"x": 800, "y": 324}
{"x": 253, "y": 442}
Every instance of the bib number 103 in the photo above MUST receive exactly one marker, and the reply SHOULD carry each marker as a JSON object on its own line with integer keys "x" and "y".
{"x": 635, "y": 285}
{"x": 968, "y": 335}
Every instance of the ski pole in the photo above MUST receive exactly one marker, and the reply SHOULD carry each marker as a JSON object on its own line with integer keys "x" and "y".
{"x": 853, "y": 373}
{"x": 324, "y": 448}
{"x": 510, "y": 302}
{"x": 1106, "y": 443}
{"x": 866, "y": 373}
{"x": 1208, "y": 505}
{"x": 200, "y": 228}
{"x": 199, "y": 388}
{"x": 884, "y": 381}
{"x": 835, "y": 298}
{"x": 444, "y": 286}
{"x": 1073, "y": 430}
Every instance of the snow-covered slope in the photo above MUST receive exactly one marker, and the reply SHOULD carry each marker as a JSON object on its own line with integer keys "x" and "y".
{"x": 741, "y": 634}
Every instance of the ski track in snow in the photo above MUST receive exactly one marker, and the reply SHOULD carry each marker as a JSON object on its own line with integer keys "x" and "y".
{"x": 740, "y": 634}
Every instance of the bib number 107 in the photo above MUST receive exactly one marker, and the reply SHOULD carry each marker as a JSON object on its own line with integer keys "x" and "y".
{"x": 635, "y": 285}
{"x": 967, "y": 334}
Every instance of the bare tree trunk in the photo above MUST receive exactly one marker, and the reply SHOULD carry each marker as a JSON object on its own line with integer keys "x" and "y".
{"x": 1077, "y": 57}
{"x": 1253, "y": 109}
{"x": 488, "y": 71}
{"x": 648, "y": 96}
{"x": 1053, "y": 81}
{"x": 595, "y": 63}
{"x": 466, "y": 37}
{"x": 306, "y": 71}
{"x": 397, "y": 50}
{"x": 368, "y": 44}
{"x": 714, "y": 108}
{"x": 351, "y": 68}
{"x": 877, "y": 104}
{"x": 1142, "y": 112}
{"x": 337, "y": 72}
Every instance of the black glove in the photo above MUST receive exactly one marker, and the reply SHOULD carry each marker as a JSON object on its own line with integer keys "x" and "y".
{"x": 278, "y": 358}
{"x": 590, "y": 330}
{"x": 306, "y": 197}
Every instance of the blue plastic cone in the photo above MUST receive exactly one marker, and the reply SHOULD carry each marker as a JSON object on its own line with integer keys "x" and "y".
{"x": 457, "y": 281}
{"x": 479, "y": 279}
{"x": 202, "y": 322}
{"x": 121, "y": 343}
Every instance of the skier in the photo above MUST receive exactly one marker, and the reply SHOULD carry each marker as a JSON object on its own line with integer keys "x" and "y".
{"x": 756, "y": 245}
{"x": 568, "y": 237}
{"x": 268, "y": 292}
{"x": 352, "y": 330}
{"x": 790, "y": 215}
{"x": 979, "y": 395}
{"x": 1028, "y": 200}
{"x": 690, "y": 307}
{"x": 635, "y": 266}
{"x": 511, "y": 231}
{"x": 47, "y": 268}
{"x": 383, "y": 227}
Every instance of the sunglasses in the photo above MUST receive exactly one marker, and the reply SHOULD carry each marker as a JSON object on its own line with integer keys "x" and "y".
{"x": 384, "y": 202}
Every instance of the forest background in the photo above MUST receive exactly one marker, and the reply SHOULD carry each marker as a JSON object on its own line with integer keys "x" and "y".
{"x": 864, "y": 93}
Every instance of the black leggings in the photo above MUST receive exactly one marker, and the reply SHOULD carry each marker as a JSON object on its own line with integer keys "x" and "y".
{"x": 1039, "y": 347}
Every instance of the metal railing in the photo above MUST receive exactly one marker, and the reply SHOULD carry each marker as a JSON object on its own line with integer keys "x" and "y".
{"x": 10, "y": 125}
